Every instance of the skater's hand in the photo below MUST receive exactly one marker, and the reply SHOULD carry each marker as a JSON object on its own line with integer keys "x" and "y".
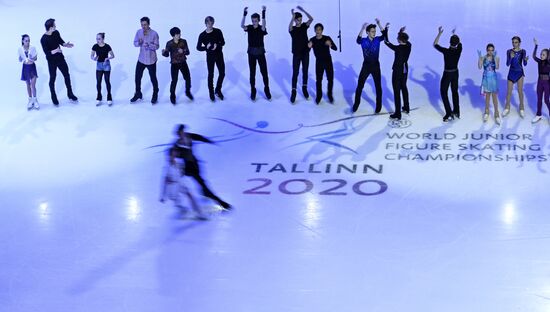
{"x": 264, "y": 7}
{"x": 377, "y": 20}
{"x": 440, "y": 29}
{"x": 208, "y": 46}
{"x": 402, "y": 29}
{"x": 328, "y": 43}
{"x": 365, "y": 25}
{"x": 387, "y": 25}
{"x": 140, "y": 41}
{"x": 453, "y": 31}
{"x": 310, "y": 44}
{"x": 68, "y": 45}
{"x": 58, "y": 50}
{"x": 180, "y": 50}
{"x": 535, "y": 41}
{"x": 479, "y": 53}
{"x": 215, "y": 46}
{"x": 292, "y": 12}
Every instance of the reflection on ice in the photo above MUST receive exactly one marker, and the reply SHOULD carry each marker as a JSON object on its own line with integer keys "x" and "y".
{"x": 133, "y": 211}
{"x": 43, "y": 212}
{"x": 509, "y": 215}
{"x": 311, "y": 212}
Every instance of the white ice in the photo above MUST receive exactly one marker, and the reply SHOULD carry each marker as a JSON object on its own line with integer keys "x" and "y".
{"x": 81, "y": 227}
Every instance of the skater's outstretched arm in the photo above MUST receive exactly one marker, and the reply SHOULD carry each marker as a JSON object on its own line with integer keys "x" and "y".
{"x": 291, "y": 24}
{"x": 245, "y": 13}
{"x": 382, "y": 29}
{"x": 360, "y": 35}
{"x": 387, "y": 40}
{"x": 61, "y": 41}
{"x": 200, "y": 138}
{"x": 436, "y": 41}
{"x": 264, "y": 22}
{"x": 535, "y": 51}
{"x": 310, "y": 18}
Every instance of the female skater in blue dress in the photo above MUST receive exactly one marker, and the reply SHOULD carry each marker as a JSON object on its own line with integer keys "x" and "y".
{"x": 516, "y": 58}
{"x": 489, "y": 84}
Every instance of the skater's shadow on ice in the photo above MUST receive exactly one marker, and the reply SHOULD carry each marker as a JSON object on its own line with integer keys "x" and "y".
{"x": 103, "y": 270}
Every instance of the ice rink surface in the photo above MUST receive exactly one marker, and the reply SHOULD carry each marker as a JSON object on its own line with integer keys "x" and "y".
{"x": 332, "y": 211}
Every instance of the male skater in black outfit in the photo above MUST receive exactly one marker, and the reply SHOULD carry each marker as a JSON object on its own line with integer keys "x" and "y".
{"x": 321, "y": 45}
{"x": 184, "y": 150}
{"x": 400, "y": 71}
{"x": 51, "y": 42}
{"x": 211, "y": 40}
{"x": 178, "y": 50}
{"x": 256, "y": 51}
{"x": 450, "y": 75}
{"x": 300, "y": 50}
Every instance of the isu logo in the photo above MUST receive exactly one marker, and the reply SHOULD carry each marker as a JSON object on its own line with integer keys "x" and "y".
{"x": 400, "y": 124}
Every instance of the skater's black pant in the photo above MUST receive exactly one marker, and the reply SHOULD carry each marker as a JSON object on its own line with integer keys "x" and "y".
{"x": 53, "y": 65}
{"x": 450, "y": 78}
{"x": 175, "y": 69}
{"x": 192, "y": 170}
{"x": 99, "y": 77}
{"x": 297, "y": 59}
{"x": 366, "y": 70}
{"x": 321, "y": 67}
{"x": 152, "y": 69}
{"x": 260, "y": 59}
{"x": 399, "y": 83}
{"x": 217, "y": 60}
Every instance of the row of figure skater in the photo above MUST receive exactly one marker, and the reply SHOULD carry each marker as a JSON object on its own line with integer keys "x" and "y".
{"x": 516, "y": 58}
{"x": 211, "y": 41}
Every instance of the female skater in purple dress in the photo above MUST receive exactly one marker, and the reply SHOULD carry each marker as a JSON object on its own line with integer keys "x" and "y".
{"x": 543, "y": 83}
